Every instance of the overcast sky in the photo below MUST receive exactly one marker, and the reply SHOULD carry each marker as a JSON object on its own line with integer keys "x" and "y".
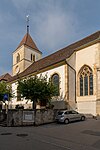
{"x": 54, "y": 24}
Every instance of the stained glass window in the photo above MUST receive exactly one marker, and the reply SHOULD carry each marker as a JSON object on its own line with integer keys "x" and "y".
{"x": 86, "y": 85}
{"x": 86, "y": 81}
{"x": 81, "y": 86}
{"x": 91, "y": 84}
{"x": 55, "y": 80}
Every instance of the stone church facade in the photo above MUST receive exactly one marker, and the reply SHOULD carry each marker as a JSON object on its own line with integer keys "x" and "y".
{"x": 76, "y": 68}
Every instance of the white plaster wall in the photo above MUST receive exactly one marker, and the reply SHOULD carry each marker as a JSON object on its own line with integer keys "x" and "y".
{"x": 20, "y": 64}
{"x": 25, "y": 58}
{"x": 72, "y": 62}
{"x": 14, "y": 92}
{"x": 71, "y": 87}
{"x": 87, "y": 105}
{"x": 88, "y": 56}
{"x": 29, "y": 51}
{"x": 61, "y": 72}
{"x": 21, "y": 52}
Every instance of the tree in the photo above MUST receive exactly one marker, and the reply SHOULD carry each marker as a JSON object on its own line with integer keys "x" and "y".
{"x": 36, "y": 89}
{"x": 4, "y": 89}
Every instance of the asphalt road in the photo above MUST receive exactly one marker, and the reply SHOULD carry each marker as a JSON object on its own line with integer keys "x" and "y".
{"x": 75, "y": 136}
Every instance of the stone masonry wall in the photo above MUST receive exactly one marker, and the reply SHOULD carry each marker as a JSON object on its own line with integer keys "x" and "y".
{"x": 44, "y": 116}
{"x": 2, "y": 115}
{"x": 30, "y": 117}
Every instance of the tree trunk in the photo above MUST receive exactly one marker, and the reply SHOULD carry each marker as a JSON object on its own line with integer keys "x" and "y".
{"x": 34, "y": 103}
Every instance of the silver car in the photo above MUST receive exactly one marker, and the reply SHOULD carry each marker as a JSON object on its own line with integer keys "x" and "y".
{"x": 66, "y": 116}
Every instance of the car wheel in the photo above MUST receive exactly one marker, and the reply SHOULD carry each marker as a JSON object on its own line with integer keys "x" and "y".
{"x": 83, "y": 118}
{"x": 66, "y": 121}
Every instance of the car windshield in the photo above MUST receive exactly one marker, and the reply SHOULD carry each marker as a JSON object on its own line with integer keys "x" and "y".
{"x": 60, "y": 113}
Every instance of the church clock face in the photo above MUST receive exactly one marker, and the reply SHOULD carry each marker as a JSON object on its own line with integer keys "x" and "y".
{"x": 17, "y": 69}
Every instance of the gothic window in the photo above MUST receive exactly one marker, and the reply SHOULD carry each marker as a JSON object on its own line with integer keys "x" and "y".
{"x": 32, "y": 58}
{"x": 18, "y": 58}
{"x": 86, "y": 81}
{"x": 55, "y": 81}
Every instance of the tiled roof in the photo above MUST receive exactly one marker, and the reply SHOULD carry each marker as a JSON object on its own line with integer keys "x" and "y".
{"x": 5, "y": 77}
{"x": 28, "y": 41}
{"x": 58, "y": 56}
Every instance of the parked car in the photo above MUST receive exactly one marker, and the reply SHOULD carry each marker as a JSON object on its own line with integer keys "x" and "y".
{"x": 66, "y": 116}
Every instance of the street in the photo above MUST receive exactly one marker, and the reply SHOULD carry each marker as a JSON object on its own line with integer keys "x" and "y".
{"x": 84, "y": 135}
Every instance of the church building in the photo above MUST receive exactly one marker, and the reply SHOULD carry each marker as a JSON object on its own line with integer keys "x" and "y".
{"x": 75, "y": 69}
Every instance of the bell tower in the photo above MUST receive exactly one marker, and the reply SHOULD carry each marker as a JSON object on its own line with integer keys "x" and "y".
{"x": 26, "y": 53}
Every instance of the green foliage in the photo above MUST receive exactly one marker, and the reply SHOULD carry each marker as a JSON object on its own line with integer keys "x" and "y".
{"x": 4, "y": 89}
{"x": 37, "y": 88}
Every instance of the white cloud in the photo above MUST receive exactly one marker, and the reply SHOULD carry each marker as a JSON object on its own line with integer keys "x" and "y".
{"x": 54, "y": 26}
{"x": 20, "y": 4}
{"x": 6, "y": 18}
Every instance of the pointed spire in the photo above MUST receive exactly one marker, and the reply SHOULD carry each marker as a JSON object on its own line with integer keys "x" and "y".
{"x": 27, "y": 21}
{"x": 28, "y": 41}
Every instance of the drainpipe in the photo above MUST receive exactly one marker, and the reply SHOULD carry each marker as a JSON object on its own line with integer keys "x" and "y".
{"x": 75, "y": 76}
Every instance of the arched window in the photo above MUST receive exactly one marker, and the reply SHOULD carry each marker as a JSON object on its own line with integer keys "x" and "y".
{"x": 86, "y": 81}
{"x": 55, "y": 81}
{"x": 18, "y": 58}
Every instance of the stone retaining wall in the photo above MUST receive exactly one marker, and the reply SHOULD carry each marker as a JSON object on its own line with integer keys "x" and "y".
{"x": 2, "y": 115}
{"x": 45, "y": 116}
{"x": 30, "y": 117}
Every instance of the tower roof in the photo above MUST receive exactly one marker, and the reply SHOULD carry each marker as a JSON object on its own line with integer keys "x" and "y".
{"x": 28, "y": 41}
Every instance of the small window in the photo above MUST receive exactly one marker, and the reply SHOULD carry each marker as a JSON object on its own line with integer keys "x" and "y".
{"x": 32, "y": 58}
{"x": 18, "y": 58}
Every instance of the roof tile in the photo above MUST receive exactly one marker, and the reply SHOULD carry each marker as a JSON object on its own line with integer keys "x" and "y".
{"x": 28, "y": 41}
{"x": 5, "y": 77}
